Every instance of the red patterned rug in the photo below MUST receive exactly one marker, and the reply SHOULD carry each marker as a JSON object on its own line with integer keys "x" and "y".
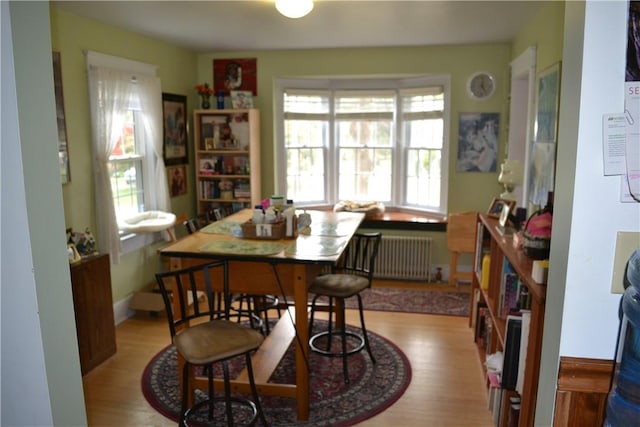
{"x": 413, "y": 301}
{"x": 373, "y": 387}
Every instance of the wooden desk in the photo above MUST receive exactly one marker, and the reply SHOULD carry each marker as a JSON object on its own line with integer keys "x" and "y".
{"x": 280, "y": 267}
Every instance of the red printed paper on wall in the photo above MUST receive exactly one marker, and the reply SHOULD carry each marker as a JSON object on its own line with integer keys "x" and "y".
{"x": 235, "y": 74}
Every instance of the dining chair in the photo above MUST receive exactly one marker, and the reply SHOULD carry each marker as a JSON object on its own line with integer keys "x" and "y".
{"x": 203, "y": 337}
{"x": 353, "y": 274}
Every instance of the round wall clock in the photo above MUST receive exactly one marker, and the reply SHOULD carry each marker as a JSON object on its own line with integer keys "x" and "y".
{"x": 481, "y": 85}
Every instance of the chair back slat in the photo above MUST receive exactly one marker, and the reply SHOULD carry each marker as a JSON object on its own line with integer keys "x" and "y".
{"x": 182, "y": 291}
{"x": 360, "y": 255}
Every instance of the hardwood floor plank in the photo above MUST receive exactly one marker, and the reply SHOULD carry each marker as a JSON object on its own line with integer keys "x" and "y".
{"x": 447, "y": 388}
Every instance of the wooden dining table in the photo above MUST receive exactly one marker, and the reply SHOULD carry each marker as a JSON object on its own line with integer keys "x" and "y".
{"x": 283, "y": 267}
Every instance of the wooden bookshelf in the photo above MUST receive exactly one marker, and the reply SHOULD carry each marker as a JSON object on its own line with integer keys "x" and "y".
{"x": 500, "y": 249}
{"x": 227, "y": 169}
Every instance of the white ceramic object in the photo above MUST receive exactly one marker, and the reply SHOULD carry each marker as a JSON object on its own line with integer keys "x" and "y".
{"x": 147, "y": 222}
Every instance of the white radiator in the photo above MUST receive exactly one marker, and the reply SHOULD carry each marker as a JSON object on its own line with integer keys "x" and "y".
{"x": 401, "y": 257}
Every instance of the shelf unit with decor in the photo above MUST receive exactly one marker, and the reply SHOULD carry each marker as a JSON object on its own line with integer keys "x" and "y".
{"x": 227, "y": 160}
{"x": 489, "y": 289}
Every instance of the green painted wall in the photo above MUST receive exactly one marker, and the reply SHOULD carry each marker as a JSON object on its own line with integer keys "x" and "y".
{"x": 545, "y": 31}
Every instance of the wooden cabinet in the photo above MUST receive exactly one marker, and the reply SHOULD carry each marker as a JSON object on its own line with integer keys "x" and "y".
{"x": 93, "y": 307}
{"x": 488, "y": 297}
{"x": 227, "y": 170}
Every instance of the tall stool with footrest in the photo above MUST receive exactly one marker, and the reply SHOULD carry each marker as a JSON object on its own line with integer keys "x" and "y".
{"x": 353, "y": 274}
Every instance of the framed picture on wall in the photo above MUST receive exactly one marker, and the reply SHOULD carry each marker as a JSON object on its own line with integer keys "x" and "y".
{"x": 177, "y": 176}
{"x": 541, "y": 167}
{"x": 235, "y": 74}
{"x": 478, "y": 136}
{"x": 63, "y": 146}
{"x": 174, "y": 119}
{"x": 547, "y": 101}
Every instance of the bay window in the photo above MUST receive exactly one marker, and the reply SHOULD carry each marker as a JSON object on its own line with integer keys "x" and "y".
{"x": 383, "y": 140}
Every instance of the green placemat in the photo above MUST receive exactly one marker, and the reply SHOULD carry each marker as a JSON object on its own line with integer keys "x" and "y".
{"x": 221, "y": 227}
{"x": 244, "y": 247}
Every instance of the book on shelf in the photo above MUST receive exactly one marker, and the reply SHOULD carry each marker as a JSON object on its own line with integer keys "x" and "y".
{"x": 524, "y": 343}
{"x": 511, "y": 352}
{"x": 480, "y": 250}
{"x": 510, "y": 299}
{"x": 509, "y": 285}
{"x": 495, "y": 395}
{"x": 487, "y": 333}
{"x": 513, "y": 414}
{"x": 475, "y": 306}
{"x": 480, "y": 323}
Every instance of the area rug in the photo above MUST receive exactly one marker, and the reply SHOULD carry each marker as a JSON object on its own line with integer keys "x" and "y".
{"x": 373, "y": 387}
{"x": 413, "y": 301}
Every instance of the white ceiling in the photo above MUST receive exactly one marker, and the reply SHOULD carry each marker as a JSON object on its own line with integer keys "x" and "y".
{"x": 213, "y": 26}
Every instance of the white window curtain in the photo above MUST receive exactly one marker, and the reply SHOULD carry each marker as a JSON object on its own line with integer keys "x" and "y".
{"x": 150, "y": 95}
{"x": 110, "y": 94}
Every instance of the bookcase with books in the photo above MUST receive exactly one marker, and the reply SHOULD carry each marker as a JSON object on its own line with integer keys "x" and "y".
{"x": 227, "y": 147}
{"x": 507, "y": 316}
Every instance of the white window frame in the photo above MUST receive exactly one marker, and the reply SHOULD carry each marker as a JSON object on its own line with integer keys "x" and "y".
{"x": 364, "y": 83}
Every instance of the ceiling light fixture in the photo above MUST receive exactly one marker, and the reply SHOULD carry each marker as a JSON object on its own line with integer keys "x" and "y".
{"x": 294, "y": 8}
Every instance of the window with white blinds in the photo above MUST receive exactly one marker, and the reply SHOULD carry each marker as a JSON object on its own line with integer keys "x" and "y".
{"x": 385, "y": 144}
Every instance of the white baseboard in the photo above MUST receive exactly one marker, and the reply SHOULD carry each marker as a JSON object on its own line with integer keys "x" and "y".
{"x": 121, "y": 311}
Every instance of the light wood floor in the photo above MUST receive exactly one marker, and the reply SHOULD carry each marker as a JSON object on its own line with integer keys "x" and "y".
{"x": 446, "y": 389}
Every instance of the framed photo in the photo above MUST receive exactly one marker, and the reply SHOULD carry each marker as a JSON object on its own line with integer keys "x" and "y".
{"x": 478, "y": 136}
{"x": 547, "y": 101}
{"x": 177, "y": 176}
{"x": 497, "y": 205}
{"x": 241, "y": 99}
{"x": 235, "y": 74}
{"x": 504, "y": 215}
{"x": 174, "y": 118}
{"x": 63, "y": 147}
{"x": 541, "y": 166}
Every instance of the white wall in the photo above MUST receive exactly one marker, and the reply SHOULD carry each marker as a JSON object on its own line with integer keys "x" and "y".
{"x": 582, "y": 314}
{"x": 40, "y": 375}
{"x": 25, "y": 394}
{"x": 590, "y": 319}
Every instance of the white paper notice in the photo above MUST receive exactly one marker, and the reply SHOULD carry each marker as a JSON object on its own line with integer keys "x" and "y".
{"x": 632, "y": 117}
{"x": 614, "y": 129}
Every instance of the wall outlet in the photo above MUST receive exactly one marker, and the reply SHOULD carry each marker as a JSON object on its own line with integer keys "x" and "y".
{"x": 626, "y": 243}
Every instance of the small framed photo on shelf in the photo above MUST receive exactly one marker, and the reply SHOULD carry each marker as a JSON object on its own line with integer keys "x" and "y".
{"x": 495, "y": 209}
{"x": 241, "y": 99}
{"x": 504, "y": 215}
{"x": 206, "y": 166}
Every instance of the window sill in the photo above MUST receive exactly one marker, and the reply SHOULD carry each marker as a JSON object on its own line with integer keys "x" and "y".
{"x": 400, "y": 219}
{"x": 131, "y": 242}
